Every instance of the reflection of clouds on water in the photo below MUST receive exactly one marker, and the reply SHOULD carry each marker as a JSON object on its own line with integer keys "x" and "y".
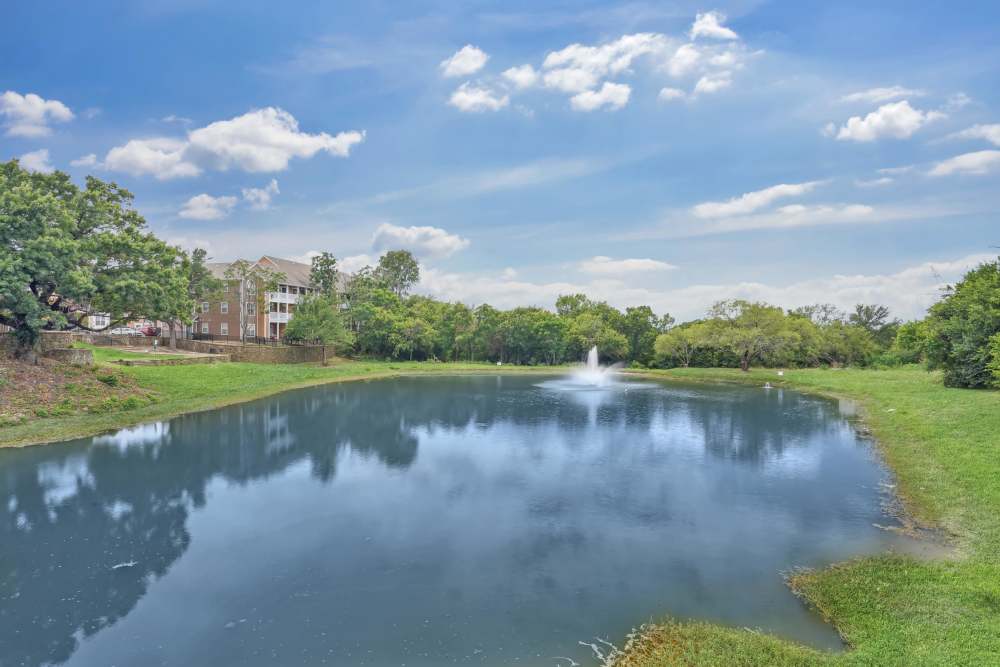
{"x": 473, "y": 474}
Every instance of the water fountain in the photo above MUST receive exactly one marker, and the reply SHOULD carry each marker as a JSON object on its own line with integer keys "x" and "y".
{"x": 593, "y": 374}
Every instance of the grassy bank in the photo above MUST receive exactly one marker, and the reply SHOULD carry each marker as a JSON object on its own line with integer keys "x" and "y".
{"x": 171, "y": 390}
{"x": 944, "y": 447}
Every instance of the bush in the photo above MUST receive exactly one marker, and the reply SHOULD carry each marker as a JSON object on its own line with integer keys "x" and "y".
{"x": 111, "y": 379}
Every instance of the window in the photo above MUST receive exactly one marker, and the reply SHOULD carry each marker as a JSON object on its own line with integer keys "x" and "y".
{"x": 283, "y": 289}
{"x": 251, "y": 331}
{"x": 204, "y": 327}
{"x": 274, "y": 306}
{"x": 251, "y": 308}
{"x": 224, "y": 307}
{"x": 225, "y": 286}
{"x": 204, "y": 306}
{"x": 251, "y": 286}
{"x": 224, "y": 328}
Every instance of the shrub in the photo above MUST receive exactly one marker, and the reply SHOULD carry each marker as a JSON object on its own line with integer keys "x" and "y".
{"x": 110, "y": 379}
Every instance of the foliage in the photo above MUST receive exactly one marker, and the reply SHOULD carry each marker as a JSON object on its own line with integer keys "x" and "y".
{"x": 398, "y": 271}
{"x": 323, "y": 274}
{"x": 678, "y": 346}
{"x": 252, "y": 282}
{"x": 961, "y": 325}
{"x": 317, "y": 318}
{"x": 751, "y": 331}
{"x": 67, "y": 252}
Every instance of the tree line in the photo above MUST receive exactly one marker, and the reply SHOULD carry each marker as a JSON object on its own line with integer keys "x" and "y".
{"x": 68, "y": 252}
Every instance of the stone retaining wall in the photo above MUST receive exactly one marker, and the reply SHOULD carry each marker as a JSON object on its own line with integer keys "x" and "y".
{"x": 257, "y": 354}
{"x": 71, "y": 356}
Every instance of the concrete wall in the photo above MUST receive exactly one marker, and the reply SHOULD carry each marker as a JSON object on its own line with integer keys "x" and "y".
{"x": 71, "y": 356}
{"x": 258, "y": 354}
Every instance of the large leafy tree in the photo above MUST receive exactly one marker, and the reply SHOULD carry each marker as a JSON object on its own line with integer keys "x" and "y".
{"x": 961, "y": 325}
{"x": 323, "y": 274}
{"x": 751, "y": 331}
{"x": 398, "y": 271}
{"x": 68, "y": 252}
{"x": 318, "y": 319}
{"x": 199, "y": 285}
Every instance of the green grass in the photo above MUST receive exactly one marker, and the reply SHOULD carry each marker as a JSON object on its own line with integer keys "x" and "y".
{"x": 110, "y": 354}
{"x": 944, "y": 447}
{"x": 180, "y": 389}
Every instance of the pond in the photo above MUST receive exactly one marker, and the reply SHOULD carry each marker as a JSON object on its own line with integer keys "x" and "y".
{"x": 487, "y": 520}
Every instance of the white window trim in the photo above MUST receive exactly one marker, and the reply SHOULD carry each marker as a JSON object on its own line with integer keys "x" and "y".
{"x": 224, "y": 307}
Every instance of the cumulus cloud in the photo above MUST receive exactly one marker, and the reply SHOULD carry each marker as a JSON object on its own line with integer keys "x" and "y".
{"x": 263, "y": 140}
{"x": 37, "y": 161}
{"x": 876, "y": 95}
{"x": 30, "y": 115}
{"x": 897, "y": 120}
{"x": 907, "y": 292}
{"x": 601, "y": 265}
{"x": 980, "y": 162}
{"x": 426, "y": 242}
{"x": 612, "y": 96}
{"x": 684, "y": 60}
{"x": 470, "y": 98}
{"x": 207, "y": 207}
{"x": 354, "y": 263}
{"x": 712, "y": 83}
{"x": 990, "y": 133}
{"x": 957, "y": 101}
{"x": 259, "y": 199}
{"x": 89, "y": 160}
{"x": 753, "y": 201}
{"x": 671, "y": 94}
{"x": 467, "y": 60}
{"x": 523, "y": 76}
{"x": 710, "y": 25}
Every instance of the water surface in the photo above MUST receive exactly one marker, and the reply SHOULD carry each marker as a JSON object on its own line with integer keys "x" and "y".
{"x": 429, "y": 521}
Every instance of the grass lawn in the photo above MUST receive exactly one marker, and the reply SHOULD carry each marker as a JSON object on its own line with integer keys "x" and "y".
{"x": 103, "y": 354}
{"x": 944, "y": 447}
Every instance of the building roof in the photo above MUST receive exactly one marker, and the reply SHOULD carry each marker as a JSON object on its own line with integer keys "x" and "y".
{"x": 296, "y": 273}
{"x": 217, "y": 269}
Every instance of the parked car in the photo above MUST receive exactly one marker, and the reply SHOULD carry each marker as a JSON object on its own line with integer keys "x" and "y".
{"x": 125, "y": 331}
{"x": 150, "y": 330}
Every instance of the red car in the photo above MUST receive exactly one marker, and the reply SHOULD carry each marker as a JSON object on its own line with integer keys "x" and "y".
{"x": 150, "y": 330}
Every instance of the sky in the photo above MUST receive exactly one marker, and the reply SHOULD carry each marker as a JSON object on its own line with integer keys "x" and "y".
{"x": 661, "y": 153}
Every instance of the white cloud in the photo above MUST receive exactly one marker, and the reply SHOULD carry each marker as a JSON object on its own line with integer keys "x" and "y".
{"x": 37, "y": 161}
{"x": 207, "y": 207}
{"x": 980, "y": 162}
{"x": 163, "y": 158}
{"x": 990, "y": 133}
{"x": 907, "y": 292}
{"x": 794, "y": 216}
{"x": 607, "y": 59}
{"x": 711, "y": 83}
{"x": 895, "y": 171}
{"x": 876, "y": 95}
{"x": 523, "y": 76}
{"x": 471, "y": 98}
{"x": 875, "y": 182}
{"x": 684, "y": 60}
{"x": 611, "y": 95}
{"x": 897, "y": 119}
{"x": 602, "y": 265}
{"x": 467, "y": 60}
{"x": 30, "y": 115}
{"x": 431, "y": 242}
{"x": 710, "y": 25}
{"x": 671, "y": 94}
{"x": 191, "y": 244}
{"x": 355, "y": 263}
{"x": 259, "y": 199}
{"x": 571, "y": 80}
{"x": 173, "y": 118}
{"x": 752, "y": 201}
{"x": 89, "y": 160}
{"x": 263, "y": 140}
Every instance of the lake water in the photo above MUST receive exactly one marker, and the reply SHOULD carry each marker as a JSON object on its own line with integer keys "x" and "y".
{"x": 428, "y": 521}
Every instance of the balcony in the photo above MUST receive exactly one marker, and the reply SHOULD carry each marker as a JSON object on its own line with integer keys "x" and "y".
{"x": 283, "y": 297}
{"x": 278, "y": 317}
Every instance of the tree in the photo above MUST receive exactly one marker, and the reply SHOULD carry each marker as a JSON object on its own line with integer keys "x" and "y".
{"x": 911, "y": 340}
{"x": 679, "y": 345}
{"x": 67, "y": 253}
{"x": 641, "y": 327}
{"x": 253, "y": 282}
{"x": 751, "y": 331}
{"x": 323, "y": 274}
{"x": 318, "y": 319}
{"x": 200, "y": 285}
{"x": 961, "y": 325}
{"x": 398, "y": 271}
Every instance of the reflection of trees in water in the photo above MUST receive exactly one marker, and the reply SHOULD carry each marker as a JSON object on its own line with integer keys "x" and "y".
{"x": 71, "y": 513}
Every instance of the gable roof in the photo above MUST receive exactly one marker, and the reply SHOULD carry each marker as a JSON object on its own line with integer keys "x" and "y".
{"x": 296, "y": 273}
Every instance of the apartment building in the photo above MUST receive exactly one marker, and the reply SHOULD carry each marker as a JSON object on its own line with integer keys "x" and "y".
{"x": 223, "y": 318}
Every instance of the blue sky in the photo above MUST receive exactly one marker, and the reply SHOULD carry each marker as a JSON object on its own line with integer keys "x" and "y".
{"x": 669, "y": 153}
